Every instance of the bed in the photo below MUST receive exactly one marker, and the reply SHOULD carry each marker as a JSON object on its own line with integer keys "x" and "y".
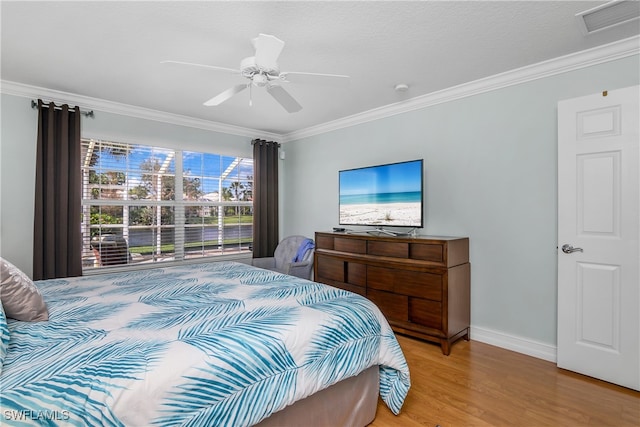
{"x": 211, "y": 344}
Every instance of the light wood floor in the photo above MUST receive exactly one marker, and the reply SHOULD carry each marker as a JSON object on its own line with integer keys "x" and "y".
{"x": 483, "y": 385}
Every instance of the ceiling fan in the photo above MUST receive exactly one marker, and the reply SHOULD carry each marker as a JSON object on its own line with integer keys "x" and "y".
{"x": 262, "y": 71}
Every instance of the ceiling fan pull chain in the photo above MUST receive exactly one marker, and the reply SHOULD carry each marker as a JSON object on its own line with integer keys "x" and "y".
{"x": 250, "y": 95}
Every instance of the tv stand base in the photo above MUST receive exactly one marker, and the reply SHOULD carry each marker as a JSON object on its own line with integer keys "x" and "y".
{"x": 380, "y": 231}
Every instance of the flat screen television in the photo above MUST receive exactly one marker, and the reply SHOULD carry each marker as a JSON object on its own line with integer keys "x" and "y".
{"x": 389, "y": 195}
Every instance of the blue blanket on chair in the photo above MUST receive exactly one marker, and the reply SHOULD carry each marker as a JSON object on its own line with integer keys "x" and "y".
{"x": 306, "y": 246}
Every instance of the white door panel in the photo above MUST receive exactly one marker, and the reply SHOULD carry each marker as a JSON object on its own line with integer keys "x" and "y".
{"x": 598, "y": 215}
{"x": 598, "y": 186}
{"x": 598, "y": 289}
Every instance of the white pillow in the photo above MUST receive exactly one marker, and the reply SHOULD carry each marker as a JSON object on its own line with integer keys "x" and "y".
{"x": 21, "y": 299}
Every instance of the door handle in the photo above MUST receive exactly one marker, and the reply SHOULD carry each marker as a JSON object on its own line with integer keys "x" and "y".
{"x": 568, "y": 249}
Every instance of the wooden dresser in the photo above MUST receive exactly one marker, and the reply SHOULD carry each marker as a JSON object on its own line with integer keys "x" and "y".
{"x": 421, "y": 284}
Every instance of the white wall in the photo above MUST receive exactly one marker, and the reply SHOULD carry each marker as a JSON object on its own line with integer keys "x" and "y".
{"x": 18, "y": 157}
{"x": 490, "y": 163}
{"x": 18, "y": 133}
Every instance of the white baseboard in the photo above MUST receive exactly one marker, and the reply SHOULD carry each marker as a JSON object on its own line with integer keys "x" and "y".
{"x": 514, "y": 343}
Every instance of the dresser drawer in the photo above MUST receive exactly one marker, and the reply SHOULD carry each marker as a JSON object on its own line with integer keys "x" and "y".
{"x": 393, "y": 306}
{"x": 427, "y": 252}
{"x": 329, "y": 268}
{"x": 421, "y": 285}
{"x": 381, "y": 278}
{"x": 391, "y": 249}
{"x": 425, "y": 312}
{"x": 356, "y": 274}
{"x": 350, "y": 245}
{"x": 404, "y": 282}
{"x": 324, "y": 242}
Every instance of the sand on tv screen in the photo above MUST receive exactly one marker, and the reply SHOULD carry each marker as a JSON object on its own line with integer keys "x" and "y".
{"x": 382, "y": 195}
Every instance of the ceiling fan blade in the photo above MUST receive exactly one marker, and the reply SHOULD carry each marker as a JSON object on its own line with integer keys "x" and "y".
{"x": 211, "y": 67}
{"x": 219, "y": 99}
{"x": 338, "y": 80}
{"x": 284, "y": 98}
{"x": 268, "y": 50}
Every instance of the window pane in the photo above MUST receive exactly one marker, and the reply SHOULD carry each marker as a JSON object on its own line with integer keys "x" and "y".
{"x": 149, "y": 244}
{"x": 106, "y": 216}
{"x": 129, "y": 195}
{"x": 192, "y": 188}
{"x": 196, "y": 214}
{"x": 202, "y": 240}
{"x": 108, "y": 249}
{"x": 104, "y": 170}
{"x": 142, "y": 215}
{"x": 210, "y": 189}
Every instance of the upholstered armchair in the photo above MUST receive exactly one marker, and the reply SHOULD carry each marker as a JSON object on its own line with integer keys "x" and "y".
{"x": 293, "y": 256}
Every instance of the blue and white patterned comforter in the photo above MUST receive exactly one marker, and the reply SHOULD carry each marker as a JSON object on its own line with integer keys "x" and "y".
{"x": 222, "y": 344}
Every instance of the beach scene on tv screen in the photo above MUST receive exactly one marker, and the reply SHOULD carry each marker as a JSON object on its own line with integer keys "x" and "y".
{"x": 387, "y": 195}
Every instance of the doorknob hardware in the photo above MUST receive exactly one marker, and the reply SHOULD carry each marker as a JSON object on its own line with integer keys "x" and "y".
{"x": 568, "y": 249}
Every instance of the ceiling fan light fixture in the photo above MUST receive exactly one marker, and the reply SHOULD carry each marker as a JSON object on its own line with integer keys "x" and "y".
{"x": 608, "y": 15}
{"x": 260, "y": 79}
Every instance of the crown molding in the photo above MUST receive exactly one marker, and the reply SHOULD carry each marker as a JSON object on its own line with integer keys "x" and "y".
{"x": 586, "y": 58}
{"x": 89, "y": 103}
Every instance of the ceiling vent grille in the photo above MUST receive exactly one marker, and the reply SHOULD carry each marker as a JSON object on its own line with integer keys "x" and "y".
{"x": 608, "y": 15}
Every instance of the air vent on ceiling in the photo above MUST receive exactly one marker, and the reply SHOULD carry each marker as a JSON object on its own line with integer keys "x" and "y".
{"x": 608, "y": 15}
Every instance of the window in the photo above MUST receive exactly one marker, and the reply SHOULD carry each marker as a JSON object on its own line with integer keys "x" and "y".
{"x": 145, "y": 204}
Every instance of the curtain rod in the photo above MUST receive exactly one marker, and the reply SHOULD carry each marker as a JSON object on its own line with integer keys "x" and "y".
{"x": 262, "y": 141}
{"x": 89, "y": 113}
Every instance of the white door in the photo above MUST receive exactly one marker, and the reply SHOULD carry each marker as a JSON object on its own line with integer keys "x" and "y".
{"x": 599, "y": 227}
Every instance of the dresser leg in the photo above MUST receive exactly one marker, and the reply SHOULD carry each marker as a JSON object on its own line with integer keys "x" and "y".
{"x": 446, "y": 347}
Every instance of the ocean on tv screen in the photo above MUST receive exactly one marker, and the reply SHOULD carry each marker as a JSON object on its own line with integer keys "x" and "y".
{"x": 391, "y": 209}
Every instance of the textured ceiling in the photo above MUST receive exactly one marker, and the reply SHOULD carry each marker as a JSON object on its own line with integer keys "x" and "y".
{"x": 112, "y": 50}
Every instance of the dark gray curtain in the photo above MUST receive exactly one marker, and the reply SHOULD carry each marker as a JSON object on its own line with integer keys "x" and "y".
{"x": 57, "y": 237}
{"x": 265, "y": 198}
